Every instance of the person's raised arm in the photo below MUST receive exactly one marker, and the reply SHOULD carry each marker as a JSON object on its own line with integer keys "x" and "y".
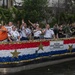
{"x": 43, "y": 31}
{"x": 31, "y": 23}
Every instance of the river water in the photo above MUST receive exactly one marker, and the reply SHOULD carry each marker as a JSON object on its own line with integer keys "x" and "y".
{"x": 67, "y": 68}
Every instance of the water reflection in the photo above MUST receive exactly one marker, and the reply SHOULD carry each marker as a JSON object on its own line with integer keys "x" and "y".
{"x": 67, "y": 68}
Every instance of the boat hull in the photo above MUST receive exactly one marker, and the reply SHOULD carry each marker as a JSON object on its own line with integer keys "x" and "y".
{"x": 20, "y": 56}
{"x": 12, "y": 68}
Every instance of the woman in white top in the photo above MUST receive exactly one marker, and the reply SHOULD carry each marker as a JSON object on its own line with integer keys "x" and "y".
{"x": 48, "y": 33}
{"x": 14, "y": 35}
{"x": 37, "y": 32}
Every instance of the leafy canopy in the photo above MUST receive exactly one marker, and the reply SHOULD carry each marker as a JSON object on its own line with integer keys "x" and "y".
{"x": 34, "y": 9}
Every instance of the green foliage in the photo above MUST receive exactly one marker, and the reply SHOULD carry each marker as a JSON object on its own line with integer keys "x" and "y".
{"x": 11, "y": 14}
{"x": 34, "y": 9}
{"x": 64, "y": 17}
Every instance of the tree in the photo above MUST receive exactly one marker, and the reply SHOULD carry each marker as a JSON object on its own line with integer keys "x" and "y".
{"x": 9, "y": 3}
{"x": 70, "y": 6}
{"x": 34, "y": 9}
{"x": 10, "y": 14}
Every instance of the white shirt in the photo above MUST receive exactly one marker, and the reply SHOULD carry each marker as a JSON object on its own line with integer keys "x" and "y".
{"x": 29, "y": 31}
{"x": 49, "y": 33}
{"x": 9, "y": 28}
{"x": 37, "y": 33}
{"x": 25, "y": 32}
{"x": 14, "y": 34}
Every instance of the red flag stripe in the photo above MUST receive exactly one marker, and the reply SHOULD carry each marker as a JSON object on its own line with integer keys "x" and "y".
{"x": 31, "y": 44}
{"x": 22, "y": 45}
{"x": 69, "y": 41}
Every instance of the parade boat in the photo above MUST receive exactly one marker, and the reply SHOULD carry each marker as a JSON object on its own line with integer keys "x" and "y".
{"x": 18, "y": 56}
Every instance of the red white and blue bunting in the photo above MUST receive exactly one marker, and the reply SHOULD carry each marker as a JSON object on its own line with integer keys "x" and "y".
{"x": 32, "y": 50}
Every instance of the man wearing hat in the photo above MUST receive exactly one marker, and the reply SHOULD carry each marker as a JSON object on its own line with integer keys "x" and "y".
{"x": 3, "y": 34}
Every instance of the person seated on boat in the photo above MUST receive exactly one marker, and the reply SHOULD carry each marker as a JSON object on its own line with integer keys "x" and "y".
{"x": 18, "y": 26}
{"x": 3, "y": 33}
{"x": 9, "y": 26}
{"x": 29, "y": 33}
{"x": 55, "y": 29}
{"x": 25, "y": 32}
{"x": 14, "y": 35}
{"x": 72, "y": 30}
{"x": 48, "y": 33}
{"x": 34, "y": 25}
{"x": 61, "y": 32}
{"x": 66, "y": 28}
{"x": 37, "y": 32}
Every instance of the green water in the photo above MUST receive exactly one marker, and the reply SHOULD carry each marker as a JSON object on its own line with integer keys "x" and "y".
{"x": 67, "y": 68}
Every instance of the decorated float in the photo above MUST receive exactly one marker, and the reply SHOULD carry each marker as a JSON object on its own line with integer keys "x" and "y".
{"x": 19, "y": 56}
